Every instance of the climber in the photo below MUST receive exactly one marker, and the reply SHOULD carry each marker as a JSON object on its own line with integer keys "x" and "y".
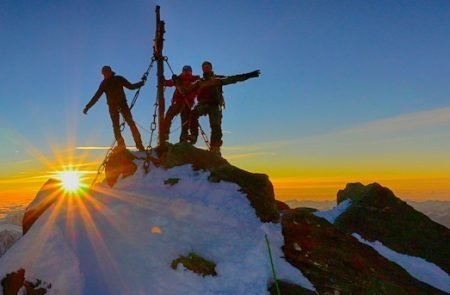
{"x": 211, "y": 101}
{"x": 112, "y": 85}
{"x": 182, "y": 102}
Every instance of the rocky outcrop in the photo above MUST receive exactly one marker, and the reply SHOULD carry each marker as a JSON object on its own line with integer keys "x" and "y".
{"x": 286, "y": 288}
{"x": 377, "y": 214}
{"x": 47, "y": 196}
{"x": 119, "y": 164}
{"x": 196, "y": 264}
{"x": 282, "y": 206}
{"x": 336, "y": 263}
{"x": 14, "y": 283}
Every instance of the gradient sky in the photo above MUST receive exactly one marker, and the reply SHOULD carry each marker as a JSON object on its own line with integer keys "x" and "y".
{"x": 350, "y": 90}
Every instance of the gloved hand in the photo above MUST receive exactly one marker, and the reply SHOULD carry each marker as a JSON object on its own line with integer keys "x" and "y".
{"x": 144, "y": 78}
{"x": 85, "y": 110}
{"x": 253, "y": 74}
{"x": 175, "y": 78}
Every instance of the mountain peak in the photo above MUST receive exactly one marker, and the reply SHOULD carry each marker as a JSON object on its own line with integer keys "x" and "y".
{"x": 378, "y": 215}
{"x": 143, "y": 233}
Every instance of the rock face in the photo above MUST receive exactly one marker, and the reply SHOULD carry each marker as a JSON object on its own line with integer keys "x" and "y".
{"x": 336, "y": 263}
{"x": 48, "y": 195}
{"x": 119, "y": 164}
{"x": 377, "y": 214}
{"x": 13, "y": 284}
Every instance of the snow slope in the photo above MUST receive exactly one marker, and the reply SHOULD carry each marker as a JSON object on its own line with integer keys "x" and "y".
{"x": 9, "y": 234}
{"x": 332, "y": 214}
{"x": 417, "y": 267}
{"x": 122, "y": 240}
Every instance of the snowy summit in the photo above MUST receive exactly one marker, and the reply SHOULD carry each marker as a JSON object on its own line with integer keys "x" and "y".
{"x": 129, "y": 238}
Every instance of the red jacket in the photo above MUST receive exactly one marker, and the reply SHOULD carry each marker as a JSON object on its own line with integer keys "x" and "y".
{"x": 182, "y": 83}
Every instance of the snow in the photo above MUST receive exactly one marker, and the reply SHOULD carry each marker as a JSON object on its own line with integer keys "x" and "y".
{"x": 9, "y": 234}
{"x": 417, "y": 267}
{"x": 332, "y": 214}
{"x": 123, "y": 240}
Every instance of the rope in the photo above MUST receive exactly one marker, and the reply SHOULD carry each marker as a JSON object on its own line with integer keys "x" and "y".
{"x": 272, "y": 266}
{"x": 166, "y": 59}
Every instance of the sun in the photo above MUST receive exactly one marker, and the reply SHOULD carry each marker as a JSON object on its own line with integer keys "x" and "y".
{"x": 70, "y": 180}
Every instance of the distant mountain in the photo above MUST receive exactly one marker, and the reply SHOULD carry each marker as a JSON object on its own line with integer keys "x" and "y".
{"x": 9, "y": 234}
{"x": 438, "y": 211}
{"x": 319, "y": 205}
{"x": 377, "y": 214}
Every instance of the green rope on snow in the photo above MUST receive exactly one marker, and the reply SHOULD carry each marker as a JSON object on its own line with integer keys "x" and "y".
{"x": 271, "y": 264}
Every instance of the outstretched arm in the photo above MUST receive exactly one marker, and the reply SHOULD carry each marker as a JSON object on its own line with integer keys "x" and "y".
{"x": 130, "y": 86}
{"x": 240, "y": 78}
{"x": 94, "y": 99}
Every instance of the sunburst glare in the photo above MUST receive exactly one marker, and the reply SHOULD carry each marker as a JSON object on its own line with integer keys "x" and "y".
{"x": 70, "y": 180}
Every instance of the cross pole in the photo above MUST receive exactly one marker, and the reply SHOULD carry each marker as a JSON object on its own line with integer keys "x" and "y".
{"x": 158, "y": 44}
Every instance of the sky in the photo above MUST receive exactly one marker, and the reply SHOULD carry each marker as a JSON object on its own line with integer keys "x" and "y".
{"x": 350, "y": 91}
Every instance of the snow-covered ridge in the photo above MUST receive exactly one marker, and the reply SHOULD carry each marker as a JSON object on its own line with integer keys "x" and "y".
{"x": 122, "y": 240}
{"x": 417, "y": 267}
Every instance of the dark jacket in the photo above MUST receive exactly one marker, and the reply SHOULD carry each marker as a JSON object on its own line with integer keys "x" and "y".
{"x": 209, "y": 88}
{"x": 113, "y": 87}
{"x": 210, "y": 93}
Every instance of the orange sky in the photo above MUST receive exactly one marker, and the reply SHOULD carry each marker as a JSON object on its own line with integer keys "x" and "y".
{"x": 408, "y": 154}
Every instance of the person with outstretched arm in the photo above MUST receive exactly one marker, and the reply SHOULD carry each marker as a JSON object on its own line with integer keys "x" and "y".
{"x": 210, "y": 102}
{"x": 112, "y": 85}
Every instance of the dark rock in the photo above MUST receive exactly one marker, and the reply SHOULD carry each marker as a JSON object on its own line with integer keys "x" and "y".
{"x": 336, "y": 262}
{"x": 281, "y": 206}
{"x": 49, "y": 193}
{"x": 197, "y": 264}
{"x": 13, "y": 282}
{"x": 257, "y": 187}
{"x": 352, "y": 191}
{"x": 171, "y": 181}
{"x": 119, "y": 163}
{"x": 377, "y": 214}
{"x": 289, "y": 289}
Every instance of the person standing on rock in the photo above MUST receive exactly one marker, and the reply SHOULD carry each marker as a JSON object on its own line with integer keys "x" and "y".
{"x": 182, "y": 102}
{"x": 211, "y": 102}
{"x": 112, "y": 85}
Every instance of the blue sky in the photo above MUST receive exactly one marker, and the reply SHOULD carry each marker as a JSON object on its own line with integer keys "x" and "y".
{"x": 327, "y": 67}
